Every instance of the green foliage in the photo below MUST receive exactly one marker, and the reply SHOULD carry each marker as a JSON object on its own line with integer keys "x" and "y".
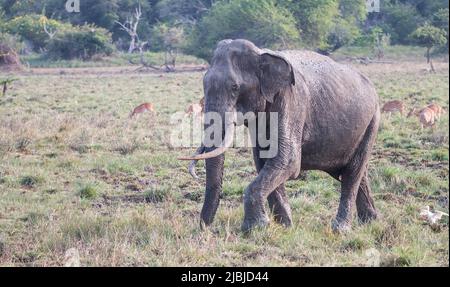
{"x": 260, "y": 21}
{"x": 353, "y": 9}
{"x": 346, "y": 27}
{"x": 429, "y": 36}
{"x": 440, "y": 20}
{"x": 343, "y": 33}
{"x": 11, "y": 41}
{"x": 158, "y": 194}
{"x": 88, "y": 191}
{"x": 323, "y": 24}
{"x": 30, "y": 181}
{"x": 103, "y": 13}
{"x": 167, "y": 38}
{"x": 315, "y": 19}
{"x": 2, "y": 20}
{"x": 80, "y": 42}
{"x": 31, "y": 28}
{"x": 401, "y": 21}
{"x": 187, "y": 11}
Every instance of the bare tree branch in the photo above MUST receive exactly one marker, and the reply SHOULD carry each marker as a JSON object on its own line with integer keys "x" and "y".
{"x": 130, "y": 27}
{"x": 50, "y": 33}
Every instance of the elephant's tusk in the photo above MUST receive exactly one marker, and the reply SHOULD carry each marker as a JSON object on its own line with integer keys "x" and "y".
{"x": 228, "y": 142}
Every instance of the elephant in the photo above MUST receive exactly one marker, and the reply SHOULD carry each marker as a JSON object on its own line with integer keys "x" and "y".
{"x": 328, "y": 120}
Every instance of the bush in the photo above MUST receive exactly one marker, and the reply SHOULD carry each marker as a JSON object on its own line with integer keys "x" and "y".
{"x": 30, "y": 181}
{"x": 88, "y": 191}
{"x": 166, "y": 38}
{"x": 260, "y": 21}
{"x": 342, "y": 34}
{"x": 9, "y": 59}
{"x": 30, "y": 28}
{"x": 11, "y": 41}
{"x": 80, "y": 42}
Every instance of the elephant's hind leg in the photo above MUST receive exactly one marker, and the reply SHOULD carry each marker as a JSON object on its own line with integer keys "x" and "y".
{"x": 364, "y": 202}
{"x": 279, "y": 206}
{"x": 353, "y": 180}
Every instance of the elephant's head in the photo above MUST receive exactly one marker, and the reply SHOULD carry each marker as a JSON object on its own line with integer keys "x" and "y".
{"x": 242, "y": 78}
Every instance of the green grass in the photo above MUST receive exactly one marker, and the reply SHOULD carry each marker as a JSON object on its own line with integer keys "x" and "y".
{"x": 88, "y": 191}
{"x": 75, "y": 172}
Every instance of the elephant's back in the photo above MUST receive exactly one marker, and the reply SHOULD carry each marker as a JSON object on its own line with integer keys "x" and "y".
{"x": 314, "y": 66}
{"x": 332, "y": 82}
{"x": 340, "y": 104}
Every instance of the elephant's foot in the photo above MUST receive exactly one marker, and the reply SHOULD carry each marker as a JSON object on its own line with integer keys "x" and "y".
{"x": 279, "y": 206}
{"x": 250, "y": 224}
{"x": 283, "y": 219}
{"x": 367, "y": 215}
{"x": 255, "y": 214}
{"x": 341, "y": 226}
{"x": 282, "y": 215}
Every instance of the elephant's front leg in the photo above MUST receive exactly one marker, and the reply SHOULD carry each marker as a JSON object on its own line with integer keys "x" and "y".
{"x": 279, "y": 206}
{"x": 256, "y": 194}
{"x": 278, "y": 203}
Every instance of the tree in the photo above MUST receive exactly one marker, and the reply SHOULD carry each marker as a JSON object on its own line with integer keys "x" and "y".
{"x": 31, "y": 29}
{"x": 315, "y": 20}
{"x": 131, "y": 27}
{"x": 400, "y": 21}
{"x": 429, "y": 36}
{"x": 440, "y": 20}
{"x": 187, "y": 11}
{"x": 9, "y": 60}
{"x": 260, "y": 21}
{"x": 82, "y": 42}
{"x": 170, "y": 39}
{"x": 346, "y": 27}
{"x": 102, "y": 13}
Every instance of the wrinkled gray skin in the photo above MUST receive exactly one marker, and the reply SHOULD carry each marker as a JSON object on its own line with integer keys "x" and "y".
{"x": 328, "y": 120}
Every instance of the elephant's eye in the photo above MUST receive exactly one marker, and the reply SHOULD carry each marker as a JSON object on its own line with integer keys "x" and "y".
{"x": 235, "y": 87}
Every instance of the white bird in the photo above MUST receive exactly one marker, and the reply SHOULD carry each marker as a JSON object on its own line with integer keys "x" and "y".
{"x": 430, "y": 216}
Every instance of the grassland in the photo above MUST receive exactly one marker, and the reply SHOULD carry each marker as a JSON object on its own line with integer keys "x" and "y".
{"x": 76, "y": 173}
{"x": 115, "y": 60}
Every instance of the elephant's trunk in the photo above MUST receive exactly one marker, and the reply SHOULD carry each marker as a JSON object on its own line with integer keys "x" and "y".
{"x": 214, "y": 175}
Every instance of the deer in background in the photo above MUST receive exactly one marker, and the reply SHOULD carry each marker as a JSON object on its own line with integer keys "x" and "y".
{"x": 196, "y": 109}
{"x": 427, "y": 118}
{"x": 438, "y": 110}
{"x": 146, "y": 107}
{"x": 435, "y": 108}
{"x": 393, "y": 106}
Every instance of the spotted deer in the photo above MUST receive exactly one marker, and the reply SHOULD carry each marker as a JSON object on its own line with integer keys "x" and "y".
{"x": 427, "y": 118}
{"x": 196, "y": 109}
{"x": 393, "y": 106}
{"x": 438, "y": 110}
{"x": 146, "y": 107}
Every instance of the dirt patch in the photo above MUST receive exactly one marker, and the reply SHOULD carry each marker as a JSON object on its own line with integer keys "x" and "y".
{"x": 131, "y": 183}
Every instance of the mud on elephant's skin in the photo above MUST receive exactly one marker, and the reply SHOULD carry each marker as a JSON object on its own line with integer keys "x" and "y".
{"x": 328, "y": 120}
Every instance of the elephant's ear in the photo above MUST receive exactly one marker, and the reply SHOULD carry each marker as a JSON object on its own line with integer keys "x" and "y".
{"x": 275, "y": 74}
